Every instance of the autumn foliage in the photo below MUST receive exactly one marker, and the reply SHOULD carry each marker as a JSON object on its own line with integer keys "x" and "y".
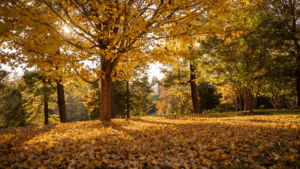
{"x": 159, "y": 142}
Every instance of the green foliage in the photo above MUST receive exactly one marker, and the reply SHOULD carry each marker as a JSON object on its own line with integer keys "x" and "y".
{"x": 92, "y": 100}
{"x": 76, "y": 94}
{"x": 12, "y": 113}
{"x": 245, "y": 60}
{"x": 36, "y": 89}
{"x": 76, "y": 110}
{"x": 177, "y": 96}
{"x": 155, "y": 97}
{"x": 120, "y": 94}
{"x": 209, "y": 96}
{"x": 140, "y": 94}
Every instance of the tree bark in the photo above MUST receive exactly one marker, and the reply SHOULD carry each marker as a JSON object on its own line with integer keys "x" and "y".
{"x": 46, "y": 112}
{"x": 113, "y": 110}
{"x": 236, "y": 101}
{"x": 127, "y": 100}
{"x": 298, "y": 86}
{"x": 240, "y": 102}
{"x": 226, "y": 109}
{"x": 105, "y": 113}
{"x": 249, "y": 101}
{"x": 61, "y": 103}
{"x": 275, "y": 101}
{"x": 245, "y": 103}
{"x": 196, "y": 107}
{"x": 255, "y": 103}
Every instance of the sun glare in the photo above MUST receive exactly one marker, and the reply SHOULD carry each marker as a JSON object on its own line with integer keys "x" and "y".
{"x": 66, "y": 29}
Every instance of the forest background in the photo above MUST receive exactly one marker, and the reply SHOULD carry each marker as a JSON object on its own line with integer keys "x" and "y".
{"x": 239, "y": 57}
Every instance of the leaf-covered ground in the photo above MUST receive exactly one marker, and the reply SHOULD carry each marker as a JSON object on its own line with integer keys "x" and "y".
{"x": 264, "y": 141}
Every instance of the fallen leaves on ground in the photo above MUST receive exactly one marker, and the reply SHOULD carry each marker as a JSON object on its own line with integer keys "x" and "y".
{"x": 266, "y": 141}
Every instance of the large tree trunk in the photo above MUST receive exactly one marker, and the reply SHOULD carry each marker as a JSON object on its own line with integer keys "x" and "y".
{"x": 247, "y": 100}
{"x": 127, "y": 100}
{"x": 106, "y": 98}
{"x": 196, "y": 107}
{"x": 61, "y": 103}
{"x": 46, "y": 112}
{"x": 113, "y": 110}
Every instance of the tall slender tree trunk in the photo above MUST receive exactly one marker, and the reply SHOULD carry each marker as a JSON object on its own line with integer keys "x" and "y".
{"x": 255, "y": 103}
{"x": 298, "y": 86}
{"x": 127, "y": 100}
{"x": 240, "y": 102}
{"x": 226, "y": 109}
{"x": 245, "y": 103}
{"x": 196, "y": 107}
{"x": 236, "y": 103}
{"x": 46, "y": 112}
{"x": 61, "y": 102}
{"x": 105, "y": 113}
{"x": 61, "y": 99}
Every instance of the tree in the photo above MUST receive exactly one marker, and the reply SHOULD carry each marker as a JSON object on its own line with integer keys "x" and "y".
{"x": 140, "y": 93}
{"x": 243, "y": 60}
{"x": 11, "y": 110}
{"x": 101, "y": 32}
{"x": 133, "y": 97}
{"x": 210, "y": 97}
{"x": 77, "y": 94}
{"x": 284, "y": 23}
{"x": 276, "y": 89}
{"x": 161, "y": 107}
{"x": 177, "y": 91}
{"x": 61, "y": 102}
{"x": 196, "y": 106}
{"x": 93, "y": 102}
{"x": 36, "y": 91}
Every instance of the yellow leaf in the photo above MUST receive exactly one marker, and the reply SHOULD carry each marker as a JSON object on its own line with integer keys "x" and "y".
{"x": 61, "y": 158}
{"x": 141, "y": 158}
{"x": 276, "y": 157}
{"x": 296, "y": 143}
{"x": 154, "y": 162}
{"x": 24, "y": 165}
{"x": 261, "y": 147}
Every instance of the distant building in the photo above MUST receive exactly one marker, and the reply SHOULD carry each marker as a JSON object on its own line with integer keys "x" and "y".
{"x": 156, "y": 89}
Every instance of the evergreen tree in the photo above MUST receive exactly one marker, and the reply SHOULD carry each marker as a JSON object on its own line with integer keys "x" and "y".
{"x": 177, "y": 91}
{"x": 11, "y": 101}
{"x": 139, "y": 94}
{"x": 140, "y": 91}
{"x": 209, "y": 96}
{"x": 37, "y": 92}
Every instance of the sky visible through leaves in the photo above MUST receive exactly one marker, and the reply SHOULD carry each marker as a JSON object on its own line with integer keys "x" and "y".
{"x": 156, "y": 142}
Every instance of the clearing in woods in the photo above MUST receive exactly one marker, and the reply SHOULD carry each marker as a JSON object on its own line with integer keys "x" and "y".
{"x": 258, "y": 141}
